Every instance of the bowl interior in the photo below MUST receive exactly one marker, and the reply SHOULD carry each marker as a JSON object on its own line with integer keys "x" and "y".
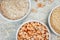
{"x": 29, "y": 9}
{"x": 32, "y": 21}
{"x": 50, "y": 20}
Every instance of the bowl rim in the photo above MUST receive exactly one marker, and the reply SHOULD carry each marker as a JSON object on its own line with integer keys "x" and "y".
{"x": 27, "y": 13}
{"x": 50, "y": 23}
{"x": 32, "y": 21}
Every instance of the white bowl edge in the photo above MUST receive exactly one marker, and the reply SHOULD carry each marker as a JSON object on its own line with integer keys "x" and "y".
{"x": 49, "y": 21}
{"x": 35, "y": 21}
{"x": 29, "y": 10}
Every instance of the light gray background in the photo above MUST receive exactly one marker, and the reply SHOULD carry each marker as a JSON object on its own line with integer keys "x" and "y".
{"x": 8, "y": 29}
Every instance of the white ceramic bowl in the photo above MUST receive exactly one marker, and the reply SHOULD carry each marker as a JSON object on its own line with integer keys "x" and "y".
{"x": 20, "y": 18}
{"x": 49, "y": 21}
{"x": 33, "y": 21}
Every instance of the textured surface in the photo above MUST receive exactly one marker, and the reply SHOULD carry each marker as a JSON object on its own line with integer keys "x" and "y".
{"x": 40, "y": 11}
{"x": 14, "y": 9}
{"x": 55, "y": 20}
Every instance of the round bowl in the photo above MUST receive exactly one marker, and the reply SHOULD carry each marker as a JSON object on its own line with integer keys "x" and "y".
{"x": 21, "y": 17}
{"x": 33, "y": 21}
{"x": 50, "y": 23}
